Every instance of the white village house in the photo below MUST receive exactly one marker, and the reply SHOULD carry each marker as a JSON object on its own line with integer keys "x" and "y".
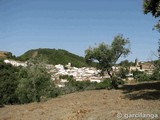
{"x": 15, "y": 63}
{"x": 80, "y": 74}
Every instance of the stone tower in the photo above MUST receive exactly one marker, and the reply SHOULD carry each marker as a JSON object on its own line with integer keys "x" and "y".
{"x": 136, "y": 62}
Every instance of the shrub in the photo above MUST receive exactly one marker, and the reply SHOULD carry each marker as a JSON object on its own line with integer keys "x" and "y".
{"x": 122, "y": 72}
{"x": 136, "y": 72}
{"x": 155, "y": 75}
{"x": 74, "y": 85}
{"x": 104, "y": 84}
{"x": 8, "y": 83}
{"x": 156, "y": 72}
{"x": 141, "y": 76}
{"x": 34, "y": 83}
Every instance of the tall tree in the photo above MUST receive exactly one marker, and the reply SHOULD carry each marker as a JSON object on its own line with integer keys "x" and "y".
{"x": 107, "y": 55}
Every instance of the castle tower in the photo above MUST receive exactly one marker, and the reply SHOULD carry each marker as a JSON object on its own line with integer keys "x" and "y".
{"x": 136, "y": 62}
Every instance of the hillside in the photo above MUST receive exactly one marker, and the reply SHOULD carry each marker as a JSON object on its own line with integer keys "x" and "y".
{"x": 92, "y": 105}
{"x": 54, "y": 56}
{"x": 4, "y": 54}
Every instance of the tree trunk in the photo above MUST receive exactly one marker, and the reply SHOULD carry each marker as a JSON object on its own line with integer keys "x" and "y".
{"x": 113, "y": 79}
{"x": 109, "y": 73}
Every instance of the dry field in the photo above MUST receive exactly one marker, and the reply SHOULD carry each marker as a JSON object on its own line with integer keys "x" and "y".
{"x": 129, "y": 102}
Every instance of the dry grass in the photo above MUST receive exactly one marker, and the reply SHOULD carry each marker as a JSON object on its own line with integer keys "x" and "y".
{"x": 89, "y": 105}
{"x": 3, "y": 55}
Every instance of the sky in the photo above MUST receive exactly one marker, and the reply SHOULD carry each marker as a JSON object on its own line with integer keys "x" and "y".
{"x": 75, "y": 25}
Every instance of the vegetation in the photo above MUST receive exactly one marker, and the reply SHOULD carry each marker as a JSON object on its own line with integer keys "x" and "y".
{"x": 159, "y": 49}
{"x": 124, "y": 68}
{"x": 107, "y": 55}
{"x": 126, "y": 64}
{"x": 34, "y": 83}
{"x": 8, "y": 83}
{"x": 156, "y": 72}
{"x": 54, "y": 57}
{"x": 72, "y": 85}
{"x": 4, "y": 54}
{"x": 122, "y": 73}
{"x": 141, "y": 76}
{"x": 24, "y": 84}
{"x": 21, "y": 85}
{"x": 153, "y": 7}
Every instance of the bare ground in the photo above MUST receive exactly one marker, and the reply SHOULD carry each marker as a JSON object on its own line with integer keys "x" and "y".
{"x": 93, "y": 105}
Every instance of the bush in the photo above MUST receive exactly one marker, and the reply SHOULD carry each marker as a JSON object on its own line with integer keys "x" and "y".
{"x": 8, "y": 83}
{"x": 156, "y": 72}
{"x": 55, "y": 92}
{"x": 137, "y": 72}
{"x": 66, "y": 77}
{"x": 141, "y": 76}
{"x": 123, "y": 72}
{"x": 31, "y": 90}
{"x": 34, "y": 83}
{"x": 155, "y": 75}
{"x": 74, "y": 85}
{"x": 103, "y": 85}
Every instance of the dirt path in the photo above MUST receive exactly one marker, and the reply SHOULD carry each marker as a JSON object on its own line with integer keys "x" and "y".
{"x": 89, "y": 105}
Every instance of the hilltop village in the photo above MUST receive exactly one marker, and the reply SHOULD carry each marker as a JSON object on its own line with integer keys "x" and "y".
{"x": 85, "y": 73}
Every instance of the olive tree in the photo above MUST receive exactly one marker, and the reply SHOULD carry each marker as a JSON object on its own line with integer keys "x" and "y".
{"x": 106, "y": 55}
{"x": 35, "y": 82}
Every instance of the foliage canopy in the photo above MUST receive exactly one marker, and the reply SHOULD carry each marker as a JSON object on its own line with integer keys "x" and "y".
{"x": 153, "y": 7}
{"x": 8, "y": 83}
{"x": 107, "y": 55}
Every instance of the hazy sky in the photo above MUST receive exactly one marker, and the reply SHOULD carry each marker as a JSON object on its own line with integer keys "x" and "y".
{"x": 74, "y": 25}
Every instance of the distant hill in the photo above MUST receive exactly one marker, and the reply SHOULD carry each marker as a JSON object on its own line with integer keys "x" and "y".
{"x": 54, "y": 56}
{"x": 4, "y": 54}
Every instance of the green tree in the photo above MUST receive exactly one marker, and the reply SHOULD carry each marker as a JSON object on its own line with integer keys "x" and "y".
{"x": 153, "y": 7}
{"x": 107, "y": 55}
